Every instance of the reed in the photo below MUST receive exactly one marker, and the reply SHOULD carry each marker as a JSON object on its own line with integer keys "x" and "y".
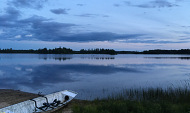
{"x": 143, "y": 100}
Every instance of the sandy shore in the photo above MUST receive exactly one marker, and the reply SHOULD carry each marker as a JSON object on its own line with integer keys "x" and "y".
{"x": 9, "y": 97}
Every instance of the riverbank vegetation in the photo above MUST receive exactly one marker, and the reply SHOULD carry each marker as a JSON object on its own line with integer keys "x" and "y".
{"x": 63, "y": 50}
{"x": 151, "y": 100}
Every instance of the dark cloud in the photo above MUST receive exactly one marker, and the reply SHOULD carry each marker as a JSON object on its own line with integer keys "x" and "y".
{"x": 41, "y": 28}
{"x": 91, "y": 15}
{"x": 154, "y": 4}
{"x": 46, "y": 30}
{"x": 12, "y": 11}
{"x": 37, "y": 4}
{"x": 10, "y": 14}
{"x": 50, "y": 31}
{"x": 158, "y": 4}
{"x": 59, "y": 11}
{"x": 10, "y": 17}
{"x": 96, "y": 36}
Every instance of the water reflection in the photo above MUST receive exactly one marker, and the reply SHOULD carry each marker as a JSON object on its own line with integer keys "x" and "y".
{"x": 36, "y": 77}
{"x": 90, "y": 75}
{"x": 99, "y": 57}
{"x": 182, "y": 58}
{"x": 55, "y": 57}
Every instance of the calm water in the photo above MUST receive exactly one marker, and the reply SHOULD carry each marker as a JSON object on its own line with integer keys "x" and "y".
{"x": 91, "y": 75}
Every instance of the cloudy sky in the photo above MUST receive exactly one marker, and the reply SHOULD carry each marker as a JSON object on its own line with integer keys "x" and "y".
{"x": 77, "y": 24}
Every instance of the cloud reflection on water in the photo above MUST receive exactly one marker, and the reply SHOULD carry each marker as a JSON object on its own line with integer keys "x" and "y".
{"x": 44, "y": 75}
{"x": 89, "y": 74}
{"x": 182, "y": 58}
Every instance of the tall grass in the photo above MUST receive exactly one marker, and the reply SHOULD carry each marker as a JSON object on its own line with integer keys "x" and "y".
{"x": 142, "y": 100}
{"x": 154, "y": 94}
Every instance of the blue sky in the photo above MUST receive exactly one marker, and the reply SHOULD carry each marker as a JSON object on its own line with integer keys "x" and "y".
{"x": 77, "y": 24}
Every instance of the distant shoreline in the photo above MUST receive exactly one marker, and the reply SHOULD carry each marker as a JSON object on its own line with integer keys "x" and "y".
{"x": 94, "y": 51}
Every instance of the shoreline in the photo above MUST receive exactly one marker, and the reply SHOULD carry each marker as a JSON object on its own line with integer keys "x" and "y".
{"x": 150, "y": 100}
{"x": 9, "y": 97}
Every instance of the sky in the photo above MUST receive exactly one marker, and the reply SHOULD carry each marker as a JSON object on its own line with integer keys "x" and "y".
{"x": 135, "y": 25}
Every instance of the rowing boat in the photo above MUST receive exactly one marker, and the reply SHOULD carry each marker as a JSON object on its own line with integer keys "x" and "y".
{"x": 42, "y": 104}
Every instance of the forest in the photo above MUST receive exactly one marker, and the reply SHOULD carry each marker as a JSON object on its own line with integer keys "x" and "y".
{"x": 63, "y": 50}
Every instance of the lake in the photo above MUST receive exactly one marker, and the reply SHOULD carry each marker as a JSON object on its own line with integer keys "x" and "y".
{"x": 91, "y": 75}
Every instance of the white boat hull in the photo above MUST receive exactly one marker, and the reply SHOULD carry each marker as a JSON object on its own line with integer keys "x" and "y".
{"x": 35, "y": 105}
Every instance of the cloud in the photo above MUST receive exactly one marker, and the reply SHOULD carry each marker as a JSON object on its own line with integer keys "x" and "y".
{"x": 179, "y": 0}
{"x": 36, "y": 4}
{"x": 49, "y": 31}
{"x": 10, "y": 14}
{"x": 116, "y": 5}
{"x": 96, "y": 36}
{"x": 18, "y": 36}
{"x": 153, "y": 41}
{"x": 127, "y": 2}
{"x": 59, "y": 11}
{"x": 44, "y": 29}
{"x": 185, "y": 26}
{"x": 154, "y": 4}
{"x": 34, "y": 19}
{"x": 30, "y": 35}
{"x": 80, "y": 4}
{"x": 41, "y": 28}
{"x": 91, "y": 15}
{"x": 1, "y": 73}
{"x": 186, "y": 32}
{"x": 10, "y": 17}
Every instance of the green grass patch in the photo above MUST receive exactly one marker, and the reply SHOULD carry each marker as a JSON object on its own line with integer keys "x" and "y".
{"x": 149, "y": 100}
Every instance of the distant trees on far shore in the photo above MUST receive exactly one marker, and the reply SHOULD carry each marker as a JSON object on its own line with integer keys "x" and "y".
{"x": 159, "y": 51}
{"x": 55, "y": 51}
{"x": 63, "y": 50}
{"x": 98, "y": 51}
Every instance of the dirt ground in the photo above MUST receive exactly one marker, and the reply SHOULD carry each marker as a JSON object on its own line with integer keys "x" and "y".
{"x": 9, "y": 97}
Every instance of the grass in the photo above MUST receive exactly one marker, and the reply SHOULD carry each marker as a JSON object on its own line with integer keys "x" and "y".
{"x": 143, "y": 100}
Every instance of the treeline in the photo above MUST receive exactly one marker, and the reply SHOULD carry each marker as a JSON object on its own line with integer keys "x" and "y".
{"x": 40, "y": 51}
{"x": 158, "y": 51}
{"x": 55, "y": 51}
{"x": 98, "y": 51}
{"x": 63, "y": 50}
